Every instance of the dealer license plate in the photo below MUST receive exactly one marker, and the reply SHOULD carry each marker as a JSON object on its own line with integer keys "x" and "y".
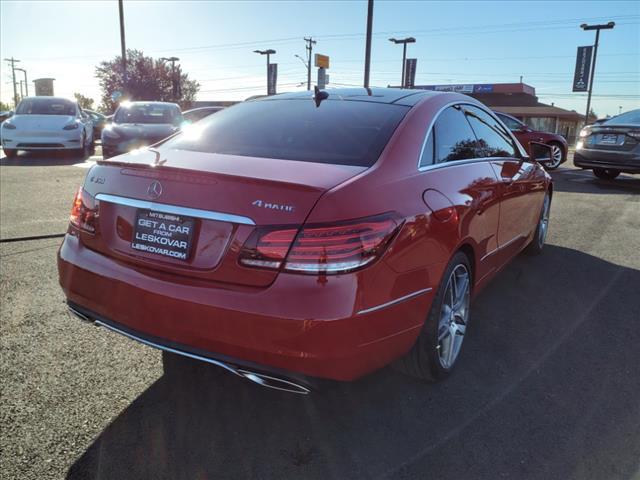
{"x": 608, "y": 139}
{"x": 163, "y": 234}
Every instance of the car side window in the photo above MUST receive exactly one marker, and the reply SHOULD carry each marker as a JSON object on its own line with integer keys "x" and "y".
{"x": 454, "y": 138}
{"x": 427, "y": 152}
{"x": 509, "y": 122}
{"x": 493, "y": 139}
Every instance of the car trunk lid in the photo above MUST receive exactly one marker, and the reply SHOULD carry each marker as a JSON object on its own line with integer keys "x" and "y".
{"x": 215, "y": 199}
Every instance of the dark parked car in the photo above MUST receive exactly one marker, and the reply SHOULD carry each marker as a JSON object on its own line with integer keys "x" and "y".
{"x": 526, "y": 134}
{"x": 99, "y": 121}
{"x": 5, "y": 115}
{"x": 290, "y": 237}
{"x": 137, "y": 124}
{"x": 611, "y": 147}
{"x": 197, "y": 114}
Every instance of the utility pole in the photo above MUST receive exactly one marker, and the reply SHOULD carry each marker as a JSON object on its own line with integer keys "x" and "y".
{"x": 310, "y": 43}
{"x": 268, "y": 53}
{"x": 597, "y": 28}
{"x": 404, "y": 42}
{"x": 13, "y": 61}
{"x": 26, "y": 84}
{"x": 367, "y": 51}
{"x": 123, "y": 48}
{"x": 174, "y": 84}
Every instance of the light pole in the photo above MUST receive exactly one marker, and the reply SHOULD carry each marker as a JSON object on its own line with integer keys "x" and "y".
{"x": 367, "y": 47}
{"x": 308, "y": 67}
{"x": 174, "y": 88}
{"x": 123, "y": 47}
{"x": 597, "y": 28}
{"x": 26, "y": 84}
{"x": 13, "y": 62}
{"x": 404, "y": 42}
{"x": 268, "y": 53}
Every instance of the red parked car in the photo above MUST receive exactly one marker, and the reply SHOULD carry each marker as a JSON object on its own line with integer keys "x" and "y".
{"x": 525, "y": 135}
{"x": 294, "y": 237}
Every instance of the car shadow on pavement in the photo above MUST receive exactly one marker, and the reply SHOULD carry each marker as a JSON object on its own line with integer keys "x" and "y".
{"x": 42, "y": 159}
{"x": 546, "y": 387}
{"x": 583, "y": 181}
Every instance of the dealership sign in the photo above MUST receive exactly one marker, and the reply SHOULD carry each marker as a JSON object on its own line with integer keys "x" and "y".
{"x": 461, "y": 88}
{"x": 583, "y": 68}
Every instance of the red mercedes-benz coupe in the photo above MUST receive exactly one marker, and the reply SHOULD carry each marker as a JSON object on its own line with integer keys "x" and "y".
{"x": 300, "y": 236}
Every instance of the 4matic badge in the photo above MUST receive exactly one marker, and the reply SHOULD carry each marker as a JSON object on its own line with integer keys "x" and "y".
{"x": 272, "y": 206}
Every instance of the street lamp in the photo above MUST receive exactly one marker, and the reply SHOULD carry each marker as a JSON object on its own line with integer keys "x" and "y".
{"x": 404, "y": 42}
{"x": 174, "y": 88}
{"x": 26, "y": 85}
{"x": 597, "y": 28}
{"x": 268, "y": 53}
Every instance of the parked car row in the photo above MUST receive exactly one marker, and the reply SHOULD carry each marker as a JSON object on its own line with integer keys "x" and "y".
{"x": 59, "y": 124}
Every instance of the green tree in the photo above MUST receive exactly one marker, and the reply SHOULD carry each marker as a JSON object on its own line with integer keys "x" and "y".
{"x": 4, "y": 107}
{"x": 147, "y": 79}
{"x": 84, "y": 102}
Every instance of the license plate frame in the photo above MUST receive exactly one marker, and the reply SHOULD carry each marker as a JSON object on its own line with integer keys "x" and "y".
{"x": 163, "y": 234}
{"x": 608, "y": 139}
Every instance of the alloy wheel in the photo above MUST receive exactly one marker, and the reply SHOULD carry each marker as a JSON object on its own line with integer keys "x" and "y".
{"x": 454, "y": 314}
{"x": 556, "y": 156}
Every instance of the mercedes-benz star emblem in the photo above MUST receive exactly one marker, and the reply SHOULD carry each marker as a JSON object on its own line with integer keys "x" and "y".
{"x": 155, "y": 189}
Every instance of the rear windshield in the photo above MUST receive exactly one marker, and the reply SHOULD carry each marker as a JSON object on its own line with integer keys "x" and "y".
{"x": 628, "y": 118}
{"x": 337, "y": 132}
{"x": 46, "y": 106}
{"x": 148, "y": 113}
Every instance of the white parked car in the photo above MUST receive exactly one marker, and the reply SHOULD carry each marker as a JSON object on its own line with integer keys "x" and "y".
{"x": 47, "y": 123}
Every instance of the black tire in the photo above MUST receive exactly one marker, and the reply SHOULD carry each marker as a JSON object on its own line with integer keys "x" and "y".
{"x": 557, "y": 161}
{"x": 10, "y": 152}
{"x": 82, "y": 152}
{"x": 540, "y": 236}
{"x": 606, "y": 174}
{"x": 423, "y": 360}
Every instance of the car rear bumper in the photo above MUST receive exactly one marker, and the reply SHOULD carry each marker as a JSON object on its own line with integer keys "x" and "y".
{"x": 298, "y": 324}
{"x": 628, "y": 162}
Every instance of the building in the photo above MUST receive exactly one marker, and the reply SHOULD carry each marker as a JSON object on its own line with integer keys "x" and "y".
{"x": 519, "y": 100}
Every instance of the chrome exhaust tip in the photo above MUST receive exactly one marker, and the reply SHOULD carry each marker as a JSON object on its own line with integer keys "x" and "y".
{"x": 275, "y": 383}
{"x": 77, "y": 314}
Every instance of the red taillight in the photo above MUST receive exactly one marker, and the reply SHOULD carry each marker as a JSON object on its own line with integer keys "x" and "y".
{"x": 335, "y": 248}
{"x": 83, "y": 212}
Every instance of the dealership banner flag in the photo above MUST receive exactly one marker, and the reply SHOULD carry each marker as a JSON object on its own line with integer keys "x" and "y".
{"x": 410, "y": 72}
{"x": 272, "y": 78}
{"x": 583, "y": 68}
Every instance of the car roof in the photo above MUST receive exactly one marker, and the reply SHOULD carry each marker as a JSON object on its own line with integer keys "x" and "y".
{"x": 374, "y": 95}
{"x": 47, "y": 97}
{"x": 200, "y": 109}
{"x": 150, "y": 102}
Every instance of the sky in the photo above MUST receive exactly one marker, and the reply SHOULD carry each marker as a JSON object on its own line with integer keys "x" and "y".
{"x": 456, "y": 42}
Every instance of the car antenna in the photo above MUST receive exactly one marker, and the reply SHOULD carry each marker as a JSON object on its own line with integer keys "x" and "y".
{"x": 319, "y": 95}
{"x": 157, "y": 162}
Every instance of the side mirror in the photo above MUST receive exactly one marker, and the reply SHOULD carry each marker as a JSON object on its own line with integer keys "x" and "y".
{"x": 523, "y": 128}
{"x": 11, "y": 113}
{"x": 541, "y": 152}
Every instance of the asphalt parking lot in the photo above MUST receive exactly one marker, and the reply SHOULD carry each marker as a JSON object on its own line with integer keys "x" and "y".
{"x": 547, "y": 387}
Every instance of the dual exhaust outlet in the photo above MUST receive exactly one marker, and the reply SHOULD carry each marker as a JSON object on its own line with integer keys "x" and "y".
{"x": 262, "y": 379}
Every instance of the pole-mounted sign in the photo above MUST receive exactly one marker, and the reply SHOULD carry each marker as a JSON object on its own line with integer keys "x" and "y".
{"x": 321, "y": 61}
{"x": 272, "y": 78}
{"x": 410, "y": 72}
{"x": 583, "y": 69}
